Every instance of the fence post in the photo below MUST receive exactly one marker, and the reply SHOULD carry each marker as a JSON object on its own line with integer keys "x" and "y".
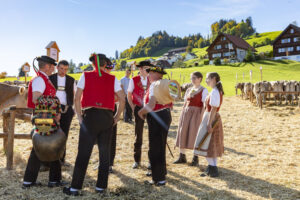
{"x": 5, "y": 131}
{"x": 10, "y": 138}
{"x": 260, "y": 101}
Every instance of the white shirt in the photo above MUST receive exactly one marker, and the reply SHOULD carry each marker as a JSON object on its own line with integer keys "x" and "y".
{"x": 204, "y": 94}
{"x": 38, "y": 84}
{"x": 215, "y": 99}
{"x": 62, "y": 95}
{"x": 81, "y": 83}
{"x": 131, "y": 84}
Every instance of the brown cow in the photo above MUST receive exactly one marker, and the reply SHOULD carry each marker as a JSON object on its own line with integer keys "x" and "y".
{"x": 12, "y": 95}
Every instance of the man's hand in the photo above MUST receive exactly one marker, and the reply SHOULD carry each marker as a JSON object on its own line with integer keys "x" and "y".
{"x": 80, "y": 119}
{"x": 141, "y": 115}
{"x": 116, "y": 119}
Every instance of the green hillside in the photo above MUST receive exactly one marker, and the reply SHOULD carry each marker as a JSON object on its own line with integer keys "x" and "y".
{"x": 260, "y": 38}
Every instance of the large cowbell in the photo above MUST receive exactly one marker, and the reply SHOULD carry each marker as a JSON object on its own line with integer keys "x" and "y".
{"x": 51, "y": 147}
{"x": 49, "y": 141}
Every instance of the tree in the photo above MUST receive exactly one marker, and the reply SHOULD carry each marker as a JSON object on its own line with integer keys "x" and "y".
{"x": 72, "y": 66}
{"x": 123, "y": 64}
{"x": 249, "y": 56}
{"x": 117, "y": 55}
{"x": 3, "y": 75}
{"x": 179, "y": 64}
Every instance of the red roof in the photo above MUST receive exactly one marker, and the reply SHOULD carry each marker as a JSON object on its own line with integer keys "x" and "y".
{"x": 237, "y": 41}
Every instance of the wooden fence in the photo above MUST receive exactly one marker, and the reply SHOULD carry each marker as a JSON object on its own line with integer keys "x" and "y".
{"x": 270, "y": 92}
{"x": 9, "y": 134}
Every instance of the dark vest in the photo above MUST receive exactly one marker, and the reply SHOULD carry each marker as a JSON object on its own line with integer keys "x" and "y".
{"x": 69, "y": 87}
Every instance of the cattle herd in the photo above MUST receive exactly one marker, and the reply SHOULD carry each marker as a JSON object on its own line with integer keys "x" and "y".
{"x": 278, "y": 91}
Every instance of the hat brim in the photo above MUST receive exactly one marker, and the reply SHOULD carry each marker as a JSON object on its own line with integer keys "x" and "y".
{"x": 46, "y": 61}
{"x": 152, "y": 70}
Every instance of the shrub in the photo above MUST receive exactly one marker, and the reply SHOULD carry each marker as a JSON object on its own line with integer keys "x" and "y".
{"x": 206, "y": 62}
{"x": 217, "y": 61}
{"x": 249, "y": 56}
{"x": 225, "y": 61}
{"x": 179, "y": 64}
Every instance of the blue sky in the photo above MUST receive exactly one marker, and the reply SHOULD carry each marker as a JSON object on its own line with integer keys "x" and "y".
{"x": 81, "y": 27}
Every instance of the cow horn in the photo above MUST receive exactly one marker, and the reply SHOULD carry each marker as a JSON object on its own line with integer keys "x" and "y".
{"x": 22, "y": 90}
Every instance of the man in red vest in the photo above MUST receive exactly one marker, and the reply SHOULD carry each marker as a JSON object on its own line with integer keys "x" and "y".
{"x": 159, "y": 120}
{"x": 94, "y": 105}
{"x": 38, "y": 86}
{"x": 136, "y": 92}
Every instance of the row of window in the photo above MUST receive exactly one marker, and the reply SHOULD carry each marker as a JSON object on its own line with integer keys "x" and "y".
{"x": 288, "y": 49}
{"x": 226, "y": 54}
{"x": 228, "y": 46}
{"x": 288, "y": 40}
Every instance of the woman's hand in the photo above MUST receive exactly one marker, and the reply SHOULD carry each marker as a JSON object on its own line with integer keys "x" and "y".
{"x": 141, "y": 115}
{"x": 209, "y": 128}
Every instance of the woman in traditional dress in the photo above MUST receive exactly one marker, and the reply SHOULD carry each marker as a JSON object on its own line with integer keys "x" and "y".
{"x": 209, "y": 140}
{"x": 190, "y": 118}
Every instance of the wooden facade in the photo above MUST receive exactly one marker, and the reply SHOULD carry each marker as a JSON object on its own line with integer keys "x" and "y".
{"x": 229, "y": 47}
{"x": 288, "y": 42}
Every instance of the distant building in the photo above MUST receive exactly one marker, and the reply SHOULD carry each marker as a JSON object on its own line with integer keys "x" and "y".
{"x": 176, "y": 51}
{"x": 190, "y": 56}
{"x": 287, "y": 44}
{"x": 77, "y": 70}
{"x": 162, "y": 63}
{"x": 229, "y": 47}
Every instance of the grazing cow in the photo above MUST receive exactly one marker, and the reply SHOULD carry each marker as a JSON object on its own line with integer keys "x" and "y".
{"x": 248, "y": 87}
{"x": 241, "y": 87}
{"x": 277, "y": 86}
{"x": 297, "y": 90}
{"x": 257, "y": 89}
{"x": 12, "y": 95}
{"x": 289, "y": 86}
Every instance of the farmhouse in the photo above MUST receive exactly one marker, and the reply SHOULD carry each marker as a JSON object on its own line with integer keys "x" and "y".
{"x": 176, "y": 51}
{"x": 190, "y": 56}
{"x": 287, "y": 44}
{"x": 229, "y": 47}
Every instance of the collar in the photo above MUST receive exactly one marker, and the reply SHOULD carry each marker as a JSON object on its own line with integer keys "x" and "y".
{"x": 44, "y": 74}
{"x": 142, "y": 78}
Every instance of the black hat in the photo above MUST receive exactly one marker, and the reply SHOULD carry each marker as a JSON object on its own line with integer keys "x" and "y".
{"x": 157, "y": 69}
{"x": 101, "y": 57}
{"x": 47, "y": 59}
{"x": 144, "y": 63}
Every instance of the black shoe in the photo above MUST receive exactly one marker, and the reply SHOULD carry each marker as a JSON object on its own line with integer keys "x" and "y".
{"x": 214, "y": 172}
{"x": 111, "y": 170}
{"x": 149, "y": 173}
{"x": 149, "y": 166}
{"x": 135, "y": 165}
{"x": 35, "y": 184}
{"x": 99, "y": 191}
{"x": 57, "y": 184}
{"x": 181, "y": 159}
{"x": 195, "y": 161}
{"x": 67, "y": 191}
{"x": 158, "y": 183}
{"x": 207, "y": 171}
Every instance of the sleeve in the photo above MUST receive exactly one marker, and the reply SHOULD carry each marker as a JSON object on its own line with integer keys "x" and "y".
{"x": 130, "y": 86}
{"x": 215, "y": 98}
{"x": 186, "y": 94}
{"x": 81, "y": 82}
{"x": 38, "y": 85}
{"x": 204, "y": 94}
{"x": 151, "y": 91}
{"x": 117, "y": 85}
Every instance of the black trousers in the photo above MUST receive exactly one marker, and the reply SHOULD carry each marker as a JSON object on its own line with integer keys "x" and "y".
{"x": 127, "y": 112}
{"x": 158, "y": 125}
{"x": 33, "y": 167}
{"x": 65, "y": 123}
{"x": 139, "y": 127}
{"x": 113, "y": 145}
{"x": 96, "y": 126}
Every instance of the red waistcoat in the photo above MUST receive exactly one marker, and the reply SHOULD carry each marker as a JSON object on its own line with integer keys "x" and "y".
{"x": 157, "y": 106}
{"x": 208, "y": 107}
{"x": 98, "y": 91}
{"x": 138, "y": 92}
{"x": 49, "y": 90}
{"x": 196, "y": 100}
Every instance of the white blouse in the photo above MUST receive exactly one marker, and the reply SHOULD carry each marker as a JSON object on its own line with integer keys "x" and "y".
{"x": 215, "y": 99}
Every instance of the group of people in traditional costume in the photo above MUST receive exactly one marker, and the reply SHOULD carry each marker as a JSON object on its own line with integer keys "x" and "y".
{"x": 99, "y": 99}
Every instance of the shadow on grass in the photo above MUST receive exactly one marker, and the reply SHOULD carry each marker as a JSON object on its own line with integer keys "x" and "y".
{"x": 238, "y": 181}
{"x": 238, "y": 153}
{"x": 138, "y": 190}
{"x": 198, "y": 189}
